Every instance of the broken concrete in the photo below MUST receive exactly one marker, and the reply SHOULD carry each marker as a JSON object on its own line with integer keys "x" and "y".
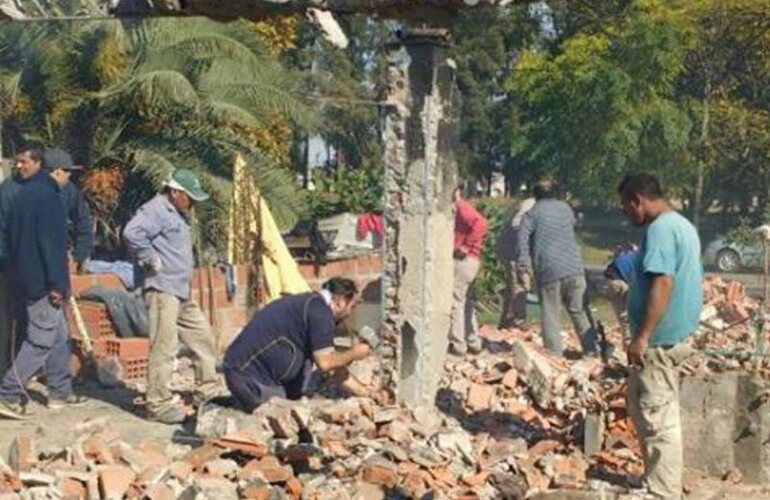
{"x": 726, "y": 422}
{"x": 420, "y": 135}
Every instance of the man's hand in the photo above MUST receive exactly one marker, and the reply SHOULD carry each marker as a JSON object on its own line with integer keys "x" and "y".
{"x": 55, "y": 298}
{"x": 153, "y": 265}
{"x": 81, "y": 266}
{"x": 361, "y": 351}
{"x": 459, "y": 254}
{"x": 635, "y": 351}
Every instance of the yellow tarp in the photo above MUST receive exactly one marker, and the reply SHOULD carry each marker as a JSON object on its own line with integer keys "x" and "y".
{"x": 250, "y": 216}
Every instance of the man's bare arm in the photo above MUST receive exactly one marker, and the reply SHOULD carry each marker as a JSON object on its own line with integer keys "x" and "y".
{"x": 657, "y": 304}
{"x": 330, "y": 360}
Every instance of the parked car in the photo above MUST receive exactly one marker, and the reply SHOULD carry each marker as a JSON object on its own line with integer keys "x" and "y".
{"x": 729, "y": 256}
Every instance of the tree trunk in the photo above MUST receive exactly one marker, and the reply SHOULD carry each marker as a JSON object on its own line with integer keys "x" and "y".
{"x": 703, "y": 160}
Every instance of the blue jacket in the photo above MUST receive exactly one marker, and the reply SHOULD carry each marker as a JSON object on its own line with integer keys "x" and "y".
{"x": 37, "y": 239}
{"x": 80, "y": 225}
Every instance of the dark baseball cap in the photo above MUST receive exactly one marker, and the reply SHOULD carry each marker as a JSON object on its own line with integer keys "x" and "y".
{"x": 54, "y": 158}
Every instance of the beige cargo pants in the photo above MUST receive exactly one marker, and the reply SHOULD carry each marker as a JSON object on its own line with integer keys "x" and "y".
{"x": 653, "y": 405}
{"x": 171, "y": 320}
{"x": 464, "y": 333}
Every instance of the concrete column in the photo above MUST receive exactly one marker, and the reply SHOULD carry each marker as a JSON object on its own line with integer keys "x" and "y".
{"x": 420, "y": 136}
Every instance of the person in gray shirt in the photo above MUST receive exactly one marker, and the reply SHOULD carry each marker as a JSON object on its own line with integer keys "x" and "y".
{"x": 547, "y": 246}
{"x": 159, "y": 238}
{"x": 514, "y": 313}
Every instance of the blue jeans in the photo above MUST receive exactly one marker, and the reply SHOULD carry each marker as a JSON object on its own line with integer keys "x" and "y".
{"x": 45, "y": 346}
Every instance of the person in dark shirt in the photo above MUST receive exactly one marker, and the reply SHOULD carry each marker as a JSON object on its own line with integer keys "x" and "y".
{"x": 37, "y": 259}
{"x": 274, "y": 354}
{"x": 61, "y": 167}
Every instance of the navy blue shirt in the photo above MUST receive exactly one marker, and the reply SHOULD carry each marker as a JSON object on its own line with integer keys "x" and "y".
{"x": 37, "y": 239}
{"x": 282, "y": 337}
{"x": 78, "y": 214}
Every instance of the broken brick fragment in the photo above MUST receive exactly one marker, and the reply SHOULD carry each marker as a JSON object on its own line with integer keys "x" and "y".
{"x": 480, "y": 397}
{"x": 115, "y": 480}
{"x": 380, "y": 472}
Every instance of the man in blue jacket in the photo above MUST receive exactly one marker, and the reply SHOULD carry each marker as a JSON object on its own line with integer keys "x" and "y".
{"x": 61, "y": 167}
{"x": 37, "y": 265}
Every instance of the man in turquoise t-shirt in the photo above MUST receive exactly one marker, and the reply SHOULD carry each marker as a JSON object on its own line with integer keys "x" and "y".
{"x": 664, "y": 306}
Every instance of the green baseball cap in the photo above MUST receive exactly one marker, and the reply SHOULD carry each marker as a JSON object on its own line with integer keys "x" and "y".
{"x": 185, "y": 180}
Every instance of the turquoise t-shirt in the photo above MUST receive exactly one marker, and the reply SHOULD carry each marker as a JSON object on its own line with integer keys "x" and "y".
{"x": 670, "y": 246}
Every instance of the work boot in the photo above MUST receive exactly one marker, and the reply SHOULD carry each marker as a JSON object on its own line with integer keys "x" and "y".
{"x": 13, "y": 411}
{"x": 208, "y": 391}
{"x": 70, "y": 401}
{"x": 170, "y": 415}
{"x": 457, "y": 349}
{"x": 475, "y": 347}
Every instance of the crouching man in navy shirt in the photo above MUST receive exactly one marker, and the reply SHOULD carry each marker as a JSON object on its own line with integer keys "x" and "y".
{"x": 274, "y": 354}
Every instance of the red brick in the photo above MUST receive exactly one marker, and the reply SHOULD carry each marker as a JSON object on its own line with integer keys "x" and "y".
{"x": 232, "y": 318}
{"x": 22, "y": 453}
{"x": 128, "y": 348}
{"x": 294, "y": 487}
{"x": 181, "y": 470}
{"x": 71, "y": 489}
{"x": 242, "y": 275}
{"x": 108, "y": 281}
{"x": 256, "y": 492}
{"x": 80, "y": 284}
{"x": 114, "y": 480}
{"x": 414, "y": 485}
{"x": 476, "y": 480}
{"x": 202, "y": 454}
{"x": 220, "y": 298}
{"x": 95, "y": 447}
{"x": 511, "y": 378}
{"x": 480, "y": 396}
{"x": 159, "y": 491}
{"x": 268, "y": 468}
{"x": 381, "y": 473}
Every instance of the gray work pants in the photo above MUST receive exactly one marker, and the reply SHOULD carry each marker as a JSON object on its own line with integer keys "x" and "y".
{"x": 514, "y": 298}
{"x": 569, "y": 292}
{"x": 45, "y": 346}
{"x": 6, "y": 323}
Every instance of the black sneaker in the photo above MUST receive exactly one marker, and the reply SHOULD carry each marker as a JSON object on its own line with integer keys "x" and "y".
{"x": 70, "y": 401}
{"x": 13, "y": 411}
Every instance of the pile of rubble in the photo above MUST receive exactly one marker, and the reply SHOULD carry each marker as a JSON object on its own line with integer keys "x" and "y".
{"x": 733, "y": 333}
{"x": 507, "y": 423}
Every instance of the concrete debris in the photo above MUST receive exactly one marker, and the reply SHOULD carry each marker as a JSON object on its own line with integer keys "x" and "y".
{"x": 508, "y": 423}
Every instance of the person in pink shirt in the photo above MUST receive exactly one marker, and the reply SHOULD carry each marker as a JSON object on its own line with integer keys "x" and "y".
{"x": 470, "y": 230}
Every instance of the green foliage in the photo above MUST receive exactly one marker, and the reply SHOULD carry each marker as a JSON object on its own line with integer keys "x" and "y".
{"x": 342, "y": 190}
{"x": 487, "y": 44}
{"x": 491, "y": 279}
{"x": 604, "y": 103}
{"x": 152, "y": 95}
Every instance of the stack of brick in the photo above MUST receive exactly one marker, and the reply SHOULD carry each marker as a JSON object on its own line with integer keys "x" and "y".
{"x": 130, "y": 355}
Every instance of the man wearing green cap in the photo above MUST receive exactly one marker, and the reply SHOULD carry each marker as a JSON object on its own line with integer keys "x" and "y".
{"x": 159, "y": 237}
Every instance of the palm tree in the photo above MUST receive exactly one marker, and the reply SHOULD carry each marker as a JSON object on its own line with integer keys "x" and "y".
{"x": 151, "y": 95}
